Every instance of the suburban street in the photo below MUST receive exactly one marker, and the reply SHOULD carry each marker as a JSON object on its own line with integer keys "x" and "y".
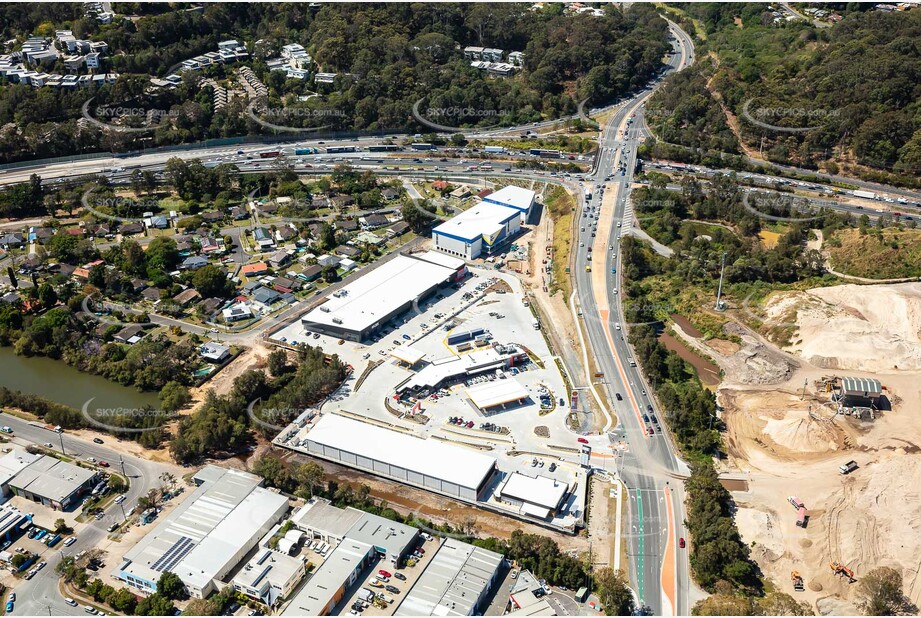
{"x": 39, "y": 595}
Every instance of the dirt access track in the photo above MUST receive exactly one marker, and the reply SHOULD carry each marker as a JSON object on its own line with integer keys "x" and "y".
{"x": 786, "y": 439}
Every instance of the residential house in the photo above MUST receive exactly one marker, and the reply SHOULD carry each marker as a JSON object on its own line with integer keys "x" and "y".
{"x": 212, "y": 216}
{"x": 138, "y": 285}
{"x": 185, "y": 297}
{"x": 75, "y": 231}
{"x": 347, "y": 265}
{"x": 214, "y": 352}
{"x": 209, "y": 306}
{"x": 347, "y": 225}
{"x": 129, "y": 229}
{"x": 460, "y": 193}
{"x": 347, "y": 251}
{"x": 279, "y": 258}
{"x": 254, "y": 270}
{"x": 263, "y": 238}
{"x": 286, "y": 285}
{"x": 390, "y": 194}
{"x": 40, "y": 234}
{"x": 240, "y": 311}
{"x": 14, "y": 240}
{"x": 193, "y": 262}
{"x": 285, "y": 233}
{"x": 397, "y": 229}
{"x": 328, "y": 260}
{"x": 266, "y": 296}
{"x": 441, "y": 185}
{"x": 310, "y": 273}
{"x": 370, "y": 239}
{"x": 371, "y": 222}
{"x": 131, "y": 334}
{"x": 342, "y": 202}
{"x": 210, "y": 245}
{"x": 151, "y": 294}
{"x": 158, "y": 222}
{"x": 238, "y": 213}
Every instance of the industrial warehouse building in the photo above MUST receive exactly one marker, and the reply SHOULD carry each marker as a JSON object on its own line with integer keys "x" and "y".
{"x": 210, "y": 533}
{"x": 537, "y": 496}
{"x": 358, "y": 540}
{"x": 46, "y": 480}
{"x": 428, "y": 464}
{"x": 363, "y": 307}
{"x": 485, "y": 228}
{"x": 455, "y": 582}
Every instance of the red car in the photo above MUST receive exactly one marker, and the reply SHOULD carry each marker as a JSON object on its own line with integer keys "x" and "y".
{"x": 583, "y": 440}
{"x": 420, "y": 550}
{"x": 681, "y": 543}
{"x": 652, "y": 431}
{"x": 104, "y": 464}
{"x": 384, "y": 573}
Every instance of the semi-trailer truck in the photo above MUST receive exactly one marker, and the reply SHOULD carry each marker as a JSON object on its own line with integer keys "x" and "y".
{"x": 870, "y": 195}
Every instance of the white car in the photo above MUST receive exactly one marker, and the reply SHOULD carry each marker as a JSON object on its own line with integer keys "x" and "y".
{"x": 70, "y": 602}
{"x": 70, "y": 541}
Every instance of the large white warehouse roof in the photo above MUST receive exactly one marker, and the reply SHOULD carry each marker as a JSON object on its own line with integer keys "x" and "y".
{"x": 379, "y": 293}
{"x": 449, "y": 463}
{"x": 513, "y": 197}
{"x": 483, "y": 219}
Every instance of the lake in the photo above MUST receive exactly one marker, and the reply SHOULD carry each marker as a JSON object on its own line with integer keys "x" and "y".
{"x": 59, "y": 382}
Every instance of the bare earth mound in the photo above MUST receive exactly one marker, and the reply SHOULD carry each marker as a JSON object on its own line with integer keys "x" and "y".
{"x": 852, "y": 327}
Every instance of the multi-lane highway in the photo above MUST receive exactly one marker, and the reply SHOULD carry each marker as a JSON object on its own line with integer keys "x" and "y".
{"x": 649, "y": 465}
{"x": 39, "y": 596}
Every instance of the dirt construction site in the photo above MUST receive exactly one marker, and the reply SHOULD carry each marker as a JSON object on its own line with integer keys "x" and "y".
{"x": 787, "y": 438}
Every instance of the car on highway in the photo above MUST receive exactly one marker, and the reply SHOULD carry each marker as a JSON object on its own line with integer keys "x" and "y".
{"x": 104, "y": 464}
{"x": 619, "y": 396}
{"x": 98, "y": 440}
{"x": 49, "y": 445}
{"x": 70, "y": 602}
{"x": 681, "y": 543}
{"x": 70, "y": 541}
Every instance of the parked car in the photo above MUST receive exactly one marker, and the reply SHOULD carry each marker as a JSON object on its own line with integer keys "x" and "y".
{"x": 393, "y": 589}
{"x": 583, "y": 440}
{"x": 384, "y": 573}
{"x": 98, "y": 440}
{"x": 70, "y": 602}
{"x": 400, "y": 576}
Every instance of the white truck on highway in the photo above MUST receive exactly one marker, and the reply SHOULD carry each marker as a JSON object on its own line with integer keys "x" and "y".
{"x": 870, "y": 195}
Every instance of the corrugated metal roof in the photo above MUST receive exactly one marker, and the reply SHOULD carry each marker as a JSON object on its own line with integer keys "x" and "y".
{"x": 870, "y": 386}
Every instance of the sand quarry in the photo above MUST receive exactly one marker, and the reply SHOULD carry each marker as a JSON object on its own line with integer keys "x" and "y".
{"x": 787, "y": 441}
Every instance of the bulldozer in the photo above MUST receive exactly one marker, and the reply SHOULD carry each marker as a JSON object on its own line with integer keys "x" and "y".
{"x": 797, "y": 579}
{"x": 842, "y": 570}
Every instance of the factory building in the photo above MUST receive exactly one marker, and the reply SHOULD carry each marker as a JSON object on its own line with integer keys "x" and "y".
{"x": 428, "y": 464}
{"x": 46, "y": 480}
{"x": 357, "y": 540}
{"x": 455, "y": 582}
{"x": 208, "y": 535}
{"x": 366, "y": 305}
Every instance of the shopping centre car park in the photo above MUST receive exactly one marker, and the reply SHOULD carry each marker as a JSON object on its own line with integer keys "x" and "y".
{"x": 522, "y": 386}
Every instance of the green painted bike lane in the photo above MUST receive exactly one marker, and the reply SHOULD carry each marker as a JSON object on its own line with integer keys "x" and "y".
{"x": 641, "y": 550}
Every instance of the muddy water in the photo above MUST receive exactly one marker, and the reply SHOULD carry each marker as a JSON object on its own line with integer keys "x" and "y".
{"x": 708, "y": 373}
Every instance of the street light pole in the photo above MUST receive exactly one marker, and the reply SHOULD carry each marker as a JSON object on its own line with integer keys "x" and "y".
{"x": 61, "y": 436}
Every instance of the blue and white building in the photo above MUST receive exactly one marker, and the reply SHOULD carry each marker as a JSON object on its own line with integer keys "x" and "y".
{"x": 483, "y": 229}
{"x": 517, "y": 198}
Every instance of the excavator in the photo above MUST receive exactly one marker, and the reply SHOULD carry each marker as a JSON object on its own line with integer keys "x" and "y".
{"x": 798, "y": 585}
{"x": 840, "y": 569}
